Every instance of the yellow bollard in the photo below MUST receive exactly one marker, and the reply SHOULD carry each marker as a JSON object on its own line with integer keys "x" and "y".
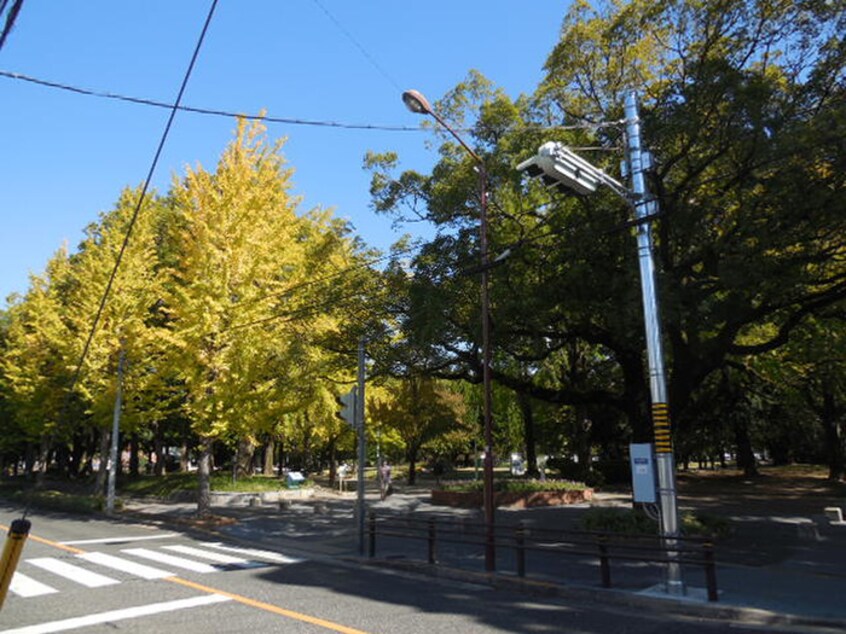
{"x": 18, "y": 533}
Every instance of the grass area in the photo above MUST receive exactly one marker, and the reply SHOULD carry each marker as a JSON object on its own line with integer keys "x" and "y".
{"x": 512, "y": 485}
{"x": 632, "y": 522}
{"x": 76, "y": 496}
{"x": 58, "y": 500}
{"x": 167, "y": 485}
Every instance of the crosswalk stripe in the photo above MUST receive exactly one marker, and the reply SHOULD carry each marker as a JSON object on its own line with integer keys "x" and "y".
{"x": 252, "y": 552}
{"x": 74, "y": 573}
{"x": 118, "y": 540}
{"x": 24, "y": 586}
{"x": 171, "y": 560}
{"x": 124, "y": 565}
{"x": 205, "y": 554}
{"x": 118, "y": 615}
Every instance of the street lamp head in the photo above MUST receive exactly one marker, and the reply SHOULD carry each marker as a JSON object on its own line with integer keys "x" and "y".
{"x": 416, "y": 102}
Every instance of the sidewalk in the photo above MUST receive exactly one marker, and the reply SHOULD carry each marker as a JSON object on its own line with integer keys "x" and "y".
{"x": 775, "y": 570}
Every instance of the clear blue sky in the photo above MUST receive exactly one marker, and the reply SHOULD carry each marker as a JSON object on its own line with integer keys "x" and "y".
{"x": 66, "y": 157}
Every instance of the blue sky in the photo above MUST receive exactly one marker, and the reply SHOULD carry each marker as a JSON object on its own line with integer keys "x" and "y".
{"x": 66, "y": 157}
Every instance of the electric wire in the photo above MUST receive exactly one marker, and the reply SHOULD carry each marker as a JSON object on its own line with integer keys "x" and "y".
{"x": 358, "y": 45}
{"x": 11, "y": 16}
{"x": 206, "y": 111}
{"x": 78, "y": 371}
{"x": 329, "y": 276}
{"x": 303, "y": 311}
{"x": 141, "y": 199}
{"x": 277, "y": 119}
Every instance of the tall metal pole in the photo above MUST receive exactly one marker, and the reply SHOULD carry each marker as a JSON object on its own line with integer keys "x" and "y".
{"x": 362, "y": 446}
{"x": 417, "y": 103}
{"x": 113, "y": 452}
{"x": 645, "y": 205}
{"x": 490, "y": 547}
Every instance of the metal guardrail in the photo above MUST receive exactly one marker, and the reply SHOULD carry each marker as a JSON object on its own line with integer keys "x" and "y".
{"x": 604, "y": 546}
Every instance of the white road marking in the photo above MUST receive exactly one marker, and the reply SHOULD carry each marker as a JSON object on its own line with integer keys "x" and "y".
{"x": 119, "y": 540}
{"x": 205, "y": 554}
{"x": 24, "y": 586}
{"x": 74, "y": 573}
{"x": 260, "y": 554}
{"x": 171, "y": 560}
{"x": 118, "y": 615}
{"x": 124, "y": 565}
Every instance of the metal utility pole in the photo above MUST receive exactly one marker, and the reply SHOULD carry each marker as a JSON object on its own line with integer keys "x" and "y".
{"x": 490, "y": 509}
{"x": 362, "y": 447}
{"x": 113, "y": 453}
{"x": 645, "y": 206}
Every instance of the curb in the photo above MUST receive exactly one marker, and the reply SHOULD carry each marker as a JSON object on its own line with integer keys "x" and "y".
{"x": 680, "y": 607}
{"x": 597, "y": 596}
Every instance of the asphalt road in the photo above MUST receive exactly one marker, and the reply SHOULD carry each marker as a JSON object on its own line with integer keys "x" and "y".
{"x": 95, "y": 575}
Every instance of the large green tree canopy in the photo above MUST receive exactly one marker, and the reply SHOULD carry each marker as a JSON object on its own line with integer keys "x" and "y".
{"x": 742, "y": 104}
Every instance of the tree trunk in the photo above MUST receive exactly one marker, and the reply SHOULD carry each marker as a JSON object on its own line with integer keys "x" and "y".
{"x": 244, "y": 457}
{"x": 43, "y": 460}
{"x": 411, "y": 456}
{"x": 269, "y": 468}
{"x": 204, "y": 478}
{"x": 158, "y": 449}
{"x": 184, "y": 459}
{"x": 529, "y": 435}
{"x": 834, "y": 438}
{"x": 29, "y": 460}
{"x": 133, "y": 454}
{"x": 63, "y": 459}
{"x": 77, "y": 453}
{"x": 333, "y": 464}
{"x": 745, "y": 455}
{"x": 581, "y": 438}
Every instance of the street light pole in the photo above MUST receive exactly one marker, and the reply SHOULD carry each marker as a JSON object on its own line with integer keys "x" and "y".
{"x": 417, "y": 103}
{"x": 644, "y": 206}
{"x": 490, "y": 549}
{"x": 558, "y": 166}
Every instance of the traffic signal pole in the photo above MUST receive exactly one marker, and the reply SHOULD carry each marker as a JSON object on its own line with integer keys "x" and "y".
{"x": 362, "y": 447}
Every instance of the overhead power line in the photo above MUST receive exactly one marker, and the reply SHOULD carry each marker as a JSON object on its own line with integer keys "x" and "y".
{"x": 207, "y": 111}
{"x": 366, "y": 264}
{"x": 269, "y": 118}
{"x": 11, "y": 16}
{"x": 358, "y": 45}
{"x": 141, "y": 198}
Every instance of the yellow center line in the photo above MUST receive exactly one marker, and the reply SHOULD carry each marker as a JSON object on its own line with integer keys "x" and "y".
{"x": 299, "y": 616}
{"x": 261, "y": 605}
{"x": 41, "y": 540}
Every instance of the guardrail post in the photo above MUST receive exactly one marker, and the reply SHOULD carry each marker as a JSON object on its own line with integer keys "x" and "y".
{"x": 604, "y": 566}
{"x": 520, "y": 538}
{"x": 371, "y": 531}
{"x": 710, "y": 571}
{"x": 432, "y": 538}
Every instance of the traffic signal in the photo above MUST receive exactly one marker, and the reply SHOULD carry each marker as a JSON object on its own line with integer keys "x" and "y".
{"x": 347, "y": 403}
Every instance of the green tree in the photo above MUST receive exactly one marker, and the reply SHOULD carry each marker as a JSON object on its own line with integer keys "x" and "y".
{"x": 419, "y": 410}
{"x": 35, "y": 363}
{"x": 128, "y": 320}
{"x": 246, "y": 302}
{"x": 743, "y": 106}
